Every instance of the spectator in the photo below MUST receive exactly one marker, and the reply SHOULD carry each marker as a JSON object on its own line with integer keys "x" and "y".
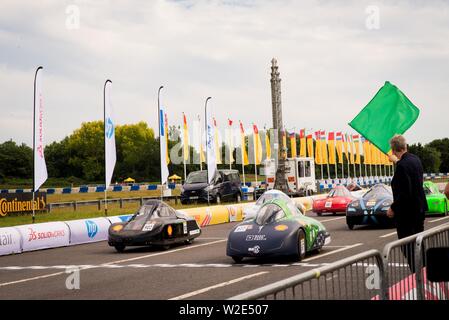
{"x": 409, "y": 200}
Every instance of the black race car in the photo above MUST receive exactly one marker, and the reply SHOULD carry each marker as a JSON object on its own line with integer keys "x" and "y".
{"x": 155, "y": 224}
{"x": 372, "y": 208}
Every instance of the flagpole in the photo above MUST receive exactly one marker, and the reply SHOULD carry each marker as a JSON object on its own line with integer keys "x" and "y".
{"x": 205, "y": 126}
{"x": 184, "y": 148}
{"x": 34, "y": 143}
{"x": 105, "y": 156}
{"x": 159, "y": 129}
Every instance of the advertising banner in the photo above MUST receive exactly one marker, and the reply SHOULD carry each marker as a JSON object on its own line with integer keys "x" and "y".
{"x": 88, "y": 230}
{"x": 22, "y": 202}
{"x": 44, "y": 235}
{"x": 10, "y": 241}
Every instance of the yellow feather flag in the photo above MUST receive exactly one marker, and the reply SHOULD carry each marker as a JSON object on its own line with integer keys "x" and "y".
{"x": 390, "y": 163}
{"x": 186, "y": 149}
{"x": 331, "y": 147}
{"x": 350, "y": 149}
{"x": 243, "y": 145}
{"x": 373, "y": 154}
{"x": 284, "y": 143}
{"x": 366, "y": 151}
{"x": 310, "y": 146}
{"x": 166, "y": 136}
{"x": 339, "y": 146}
{"x": 217, "y": 143}
{"x": 344, "y": 137}
{"x": 302, "y": 143}
{"x": 267, "y": 145}
{"x": 356, "y": 139}
{"x": 318, "y": 157}
{"x": 293, "y": 144}
{"x": 324, "y": 157}
{"x": 257, "y": 145}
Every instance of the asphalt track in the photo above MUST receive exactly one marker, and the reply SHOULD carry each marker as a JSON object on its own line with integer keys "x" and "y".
{"x": 197, "y": 271}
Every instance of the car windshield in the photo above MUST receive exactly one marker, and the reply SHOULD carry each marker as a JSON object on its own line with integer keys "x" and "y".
{"x": 269, "y": 214}
{"x": 429, "y": 189}
{"x": 377, "y": 191}
{"x": 197, "y": 177}
{"x": 147, "y": 212}
{"x": 267, "y": 196}
{"x": 339, "y": 192}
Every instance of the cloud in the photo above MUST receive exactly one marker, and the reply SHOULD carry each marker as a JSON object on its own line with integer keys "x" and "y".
{"x": 331, "y": 64}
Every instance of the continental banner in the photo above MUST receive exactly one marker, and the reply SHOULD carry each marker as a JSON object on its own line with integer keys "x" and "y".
{"x": 22, "y": 202}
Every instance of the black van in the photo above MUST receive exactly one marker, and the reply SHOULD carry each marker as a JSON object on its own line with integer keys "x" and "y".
{"x": 226, "y": 186}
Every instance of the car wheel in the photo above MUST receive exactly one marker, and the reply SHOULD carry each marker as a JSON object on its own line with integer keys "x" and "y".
{"x": 237, "y": 259}
{"x": 302, "y": 245}
{"x": 218, "y": 199}
{"x": 120, "y": 248}
{"x": 350, "y": 226}
{"x": 319, "y": 213}
{"x": 238, "y": 197}
{"x": 188, "y": 241}
{"x": 165, "y": 248}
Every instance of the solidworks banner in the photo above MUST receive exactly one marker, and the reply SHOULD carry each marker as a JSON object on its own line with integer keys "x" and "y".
{"x": 40, "y": 168}
{"x": 44, "y": 235}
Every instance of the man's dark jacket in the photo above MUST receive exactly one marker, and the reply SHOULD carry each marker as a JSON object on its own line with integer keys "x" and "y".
{"x": 409, "y": 200}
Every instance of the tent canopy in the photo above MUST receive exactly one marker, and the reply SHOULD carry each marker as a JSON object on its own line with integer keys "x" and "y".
{"x": 174, "y": 177}
{"x": 129, "y": 180}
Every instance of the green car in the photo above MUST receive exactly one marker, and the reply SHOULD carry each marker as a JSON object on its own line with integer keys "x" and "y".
{"x": 437, "y": 202}
{"x": 278, "y": 229}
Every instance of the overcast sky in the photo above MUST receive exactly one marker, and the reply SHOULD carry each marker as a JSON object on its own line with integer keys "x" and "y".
{"x": 333, "y": 58}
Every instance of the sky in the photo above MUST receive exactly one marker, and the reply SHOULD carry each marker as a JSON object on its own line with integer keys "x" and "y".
{"x": 333, "y": 57}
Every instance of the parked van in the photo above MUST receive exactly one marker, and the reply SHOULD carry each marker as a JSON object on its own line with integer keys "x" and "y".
{"x": 226, "y": 186}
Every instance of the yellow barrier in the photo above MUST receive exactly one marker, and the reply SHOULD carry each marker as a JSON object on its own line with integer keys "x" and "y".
{"x": 206, "y": 216}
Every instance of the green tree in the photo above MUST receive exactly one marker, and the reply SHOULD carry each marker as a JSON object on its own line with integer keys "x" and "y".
{"x": 15, "y": 160}
{"x": 442, "y": 145}
{"x": 430, "y": 157}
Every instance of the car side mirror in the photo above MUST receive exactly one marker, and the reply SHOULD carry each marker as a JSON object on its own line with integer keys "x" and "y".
{"x": 437, "y": 264}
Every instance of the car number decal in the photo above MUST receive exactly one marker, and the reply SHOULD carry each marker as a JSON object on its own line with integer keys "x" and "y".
{"x": 328, "y": 204}
{"x": 148, "y": 227}
{"x": 196, "y": 231}
{"x": 242, "y": 228}
{"x": 256, "y": 237}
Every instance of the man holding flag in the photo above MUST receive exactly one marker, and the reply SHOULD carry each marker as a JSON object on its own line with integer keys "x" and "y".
{"x": 383, "y": 120}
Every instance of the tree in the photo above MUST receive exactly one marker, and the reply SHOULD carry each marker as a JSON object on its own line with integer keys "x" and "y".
{"x": 442, "y": 145}
{"x": 16, "y": 161}
{"x": 430, "y": 157}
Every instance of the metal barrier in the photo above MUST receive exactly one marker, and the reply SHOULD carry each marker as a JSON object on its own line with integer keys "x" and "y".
{"x": 435, "y": 238}
{"x": 399, "y": 265}
{"x": 358, "y": 277}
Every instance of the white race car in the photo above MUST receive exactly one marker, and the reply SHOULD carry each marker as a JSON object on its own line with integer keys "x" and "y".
{"x": 250, "y": 211}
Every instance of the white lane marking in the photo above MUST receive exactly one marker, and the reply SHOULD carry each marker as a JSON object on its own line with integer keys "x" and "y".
{"x": 219, "y": 285}
{"x": 165, "y": 252}
{"x": 332, "y": 252}
{"x": 436, "y": 220}
{"x": 114, "y": 262}
{"x": 388, "y": 235}
{"x": 333, "y": 219}
{"x": 30, "y": 279}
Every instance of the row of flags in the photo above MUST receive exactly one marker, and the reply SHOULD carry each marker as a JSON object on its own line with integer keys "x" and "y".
{"x": 326, "y": 148}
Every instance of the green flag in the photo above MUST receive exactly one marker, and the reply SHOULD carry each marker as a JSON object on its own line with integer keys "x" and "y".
{"x": 390, "y": 112}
